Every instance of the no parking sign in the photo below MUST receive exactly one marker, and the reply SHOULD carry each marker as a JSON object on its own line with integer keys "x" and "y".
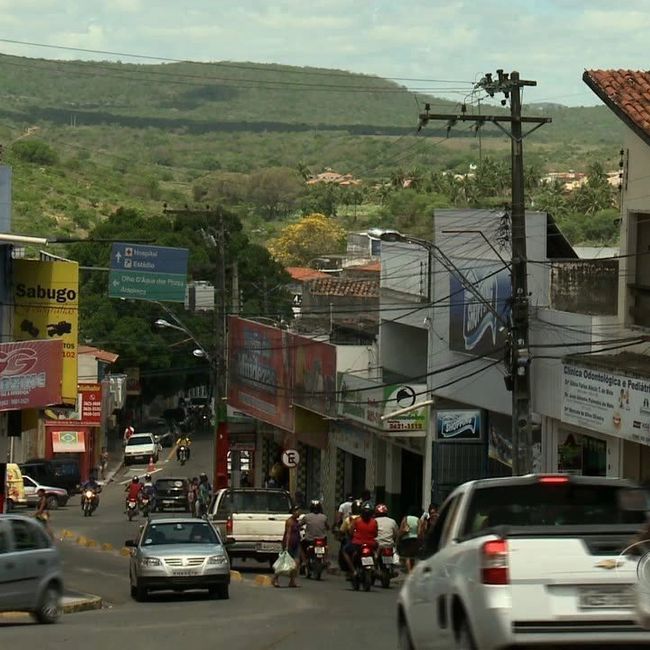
{"x": 290, "y": 458}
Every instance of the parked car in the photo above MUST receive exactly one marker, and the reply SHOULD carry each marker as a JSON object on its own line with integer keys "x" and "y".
{"x": 56, "y": 497}
{"x": 31, "y": 577}
{"x": 140, "y": 447}
{"x": 179, "y": 554}
{"x": 538, "y": 560}
{"x": 255, "y": 518}
{"x": 59, "y": 472}
{"x": 171, "y": 493}
{"x": 15, "y": 487}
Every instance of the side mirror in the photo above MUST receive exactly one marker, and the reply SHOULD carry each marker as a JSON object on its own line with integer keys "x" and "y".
{"x": 130, "y": 543}
{"x": 230, "y": 541}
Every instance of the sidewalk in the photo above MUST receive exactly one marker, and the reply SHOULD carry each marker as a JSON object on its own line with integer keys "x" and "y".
{"x": 71, "y": 603}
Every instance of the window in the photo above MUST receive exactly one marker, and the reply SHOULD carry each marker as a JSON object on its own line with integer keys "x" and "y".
{"x": 225, "y": 507}
{"x": 432, "y": 542}
{"x": 447, "y": 528}
{"x": 28, "y": 482}
{"x": 4, "y": 539}
{"x": 180, "y": 533}
{"x": 139, "y": 440}
{"x": 26, "y": 537}
{"x": 261, "y": 502}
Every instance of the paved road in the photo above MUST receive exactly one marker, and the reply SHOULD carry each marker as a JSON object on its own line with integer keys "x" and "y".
{"x": 317, "y": 615}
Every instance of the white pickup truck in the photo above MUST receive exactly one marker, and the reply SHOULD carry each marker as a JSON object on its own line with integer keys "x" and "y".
{"x": 255, "y": 518}
{"x": 531, "y": 561}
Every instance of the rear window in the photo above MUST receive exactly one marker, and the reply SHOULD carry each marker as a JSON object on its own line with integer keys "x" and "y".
{"x": 138, "y": 440}
{"x": 66, "y": 469}
{"x": 540, "y": 504}
{"x": 168, "y": 484}
{"x": 275, "y": 502}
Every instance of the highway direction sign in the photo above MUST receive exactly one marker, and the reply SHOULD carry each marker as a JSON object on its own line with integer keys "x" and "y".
{"x": 148, "y": 272}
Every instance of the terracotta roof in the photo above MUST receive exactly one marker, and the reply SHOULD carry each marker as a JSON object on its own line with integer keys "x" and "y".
{"x": 304, "y": 273}
{"x": 627, "y": 93}
{"x": 371, "y": 267}
{"x": 342, "y": 287}
{"x": 102, "y": 355}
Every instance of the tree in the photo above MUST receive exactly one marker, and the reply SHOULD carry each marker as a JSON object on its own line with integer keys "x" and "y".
{"x": 275, "y": 190}
{"x": 311, "y": 236}
{"x": 321, "y": 198}
{"x": 35, "y": 151}
{"x": 595, "y": 195}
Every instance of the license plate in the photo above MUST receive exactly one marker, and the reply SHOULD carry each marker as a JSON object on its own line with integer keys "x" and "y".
{"x": 607, "y": 597}
{"x": 367, "y": 561}
{"x": 319, "y": 550}
{"x": 183, "y": 572}
{"x": 387, "y": 559}
{"x": 268, "y": 547}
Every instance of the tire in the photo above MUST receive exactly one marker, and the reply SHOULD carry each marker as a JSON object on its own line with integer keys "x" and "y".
{"x": 367, "y": 580}
{"x": 130, "y": 514}
{"x": 465, "y": 640}
{"x": 10, "y": 505}
{"x": 140, "y": 593}
{"x": 52, "y": 502}
{"x": 404, "y": 638}
{"x": 318, "y": 572}
{"x": 49, "y": 607}
{"x": 385, "y": 579}
{"x": 220, "y": 592}
{"x": 355, "y": 582}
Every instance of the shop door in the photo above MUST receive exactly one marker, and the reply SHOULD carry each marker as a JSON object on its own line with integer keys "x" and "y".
{"x": 411, "y": 481}
{"x": 358, "y": 475}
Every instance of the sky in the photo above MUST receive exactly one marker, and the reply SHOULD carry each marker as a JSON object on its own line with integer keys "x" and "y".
{"x": 423, "y": 43}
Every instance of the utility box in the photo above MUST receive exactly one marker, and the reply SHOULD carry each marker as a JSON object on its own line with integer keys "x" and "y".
{"x": 199, "y": 296}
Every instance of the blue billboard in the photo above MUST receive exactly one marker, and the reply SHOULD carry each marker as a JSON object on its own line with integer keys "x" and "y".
{"x": 473, "y": 326}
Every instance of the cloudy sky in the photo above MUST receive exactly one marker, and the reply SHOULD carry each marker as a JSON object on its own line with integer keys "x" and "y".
{"x": 423, "y": 41}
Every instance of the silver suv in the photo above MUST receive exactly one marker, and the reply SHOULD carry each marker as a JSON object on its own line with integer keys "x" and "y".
{"x": 31, "y": 578}
{"x": 180, "y": 554}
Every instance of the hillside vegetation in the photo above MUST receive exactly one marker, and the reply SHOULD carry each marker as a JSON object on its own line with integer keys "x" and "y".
{"x": 85, "y": 138}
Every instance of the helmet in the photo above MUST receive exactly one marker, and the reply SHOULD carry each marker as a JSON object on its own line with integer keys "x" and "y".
{"x": 381, "y": 510}
{"x": 315, "y": 506}
{"x": 135, "y": 479}
{"x": 366, "y": 510}
{"x": 356, "y": 507}
{"x": 204, "y": 476}
{"x": 147, "y": 477}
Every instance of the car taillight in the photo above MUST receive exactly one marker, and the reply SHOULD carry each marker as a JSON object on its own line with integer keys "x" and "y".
{"x": 229, "y": 526}
{"x": 494, "y": 565}
{"x": 554, "y": 479}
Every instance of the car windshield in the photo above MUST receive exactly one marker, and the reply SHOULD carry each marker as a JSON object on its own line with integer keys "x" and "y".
{"x": 261, "y": 502}
{"x": 138, "y": 440}
{"x": 185, "y": 532}
{"x": 548, "y": 504}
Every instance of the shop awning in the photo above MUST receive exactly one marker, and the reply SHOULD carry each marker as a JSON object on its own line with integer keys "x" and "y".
{"x": 68, "y": 442}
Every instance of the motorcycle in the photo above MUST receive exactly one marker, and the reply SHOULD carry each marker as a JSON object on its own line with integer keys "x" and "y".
{"x": 182, "y": 454}
{"x": 386, "y": 564}
{"x": 131, "y": 508}
{"x": 364, "y": 568}
{"x": 316, "y": 552}
{"x": 89, "y": 504}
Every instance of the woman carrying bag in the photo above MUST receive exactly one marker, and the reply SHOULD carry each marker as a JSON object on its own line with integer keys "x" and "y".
{"x": 288, "y": 562}
{"x": 409, "y": 543}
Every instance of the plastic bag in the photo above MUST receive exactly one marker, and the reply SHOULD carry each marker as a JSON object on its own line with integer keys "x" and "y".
{"x": 285, "y": 565}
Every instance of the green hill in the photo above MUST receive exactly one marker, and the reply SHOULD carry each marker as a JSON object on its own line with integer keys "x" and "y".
{"x": 141, "y": 135}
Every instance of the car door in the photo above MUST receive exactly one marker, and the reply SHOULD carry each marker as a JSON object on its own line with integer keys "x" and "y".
{"x": 429, "y": 621}
{"x": 9, "y": 571}
{"x": 34, "y": 556}
{"x": 31, "y": 488}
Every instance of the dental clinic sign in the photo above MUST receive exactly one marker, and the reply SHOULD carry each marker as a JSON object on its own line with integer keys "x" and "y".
{"x": 473, "y": 327}
{"x": 606, "y": 401}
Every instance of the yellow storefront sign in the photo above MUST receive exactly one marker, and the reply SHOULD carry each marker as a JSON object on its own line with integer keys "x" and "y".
{"x": 46, "y": 299}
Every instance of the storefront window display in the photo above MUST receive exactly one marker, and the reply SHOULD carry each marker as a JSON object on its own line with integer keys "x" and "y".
{"x": 582, "y": 454}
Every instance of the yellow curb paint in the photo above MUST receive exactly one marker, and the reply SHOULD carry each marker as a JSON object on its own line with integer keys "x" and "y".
{"x": 236, "y": 576}
{"x": 13, "y": 615}
{"x": 91, "y": 543}
{"x": 82, "y": 541}
{"x": 263, "y": 581}
{"x": 67, "y": 534}
{"x": 125, "y": 552}
{"x": 108, "y": 547}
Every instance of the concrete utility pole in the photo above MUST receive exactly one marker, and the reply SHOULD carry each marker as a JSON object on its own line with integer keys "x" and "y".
{"x": 518, "y": 355}
{"x": 218, "y": 369}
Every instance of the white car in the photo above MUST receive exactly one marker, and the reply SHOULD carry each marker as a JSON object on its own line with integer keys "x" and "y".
{"x": 529, "y": 561}
{"x": 140, "y": 447}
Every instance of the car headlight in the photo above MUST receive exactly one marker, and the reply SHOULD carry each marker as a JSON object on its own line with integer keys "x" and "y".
{"x": 150, "y": 561}
{"x": 218, "y": 560}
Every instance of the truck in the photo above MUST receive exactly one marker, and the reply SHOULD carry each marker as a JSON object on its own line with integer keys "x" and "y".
{"x": 529, "y": 561}
{"x": 255, "y": 518}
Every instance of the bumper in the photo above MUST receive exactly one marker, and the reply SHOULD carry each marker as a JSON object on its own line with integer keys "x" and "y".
{"x": 259, "y": 550}
{"x": 165, "y": 503}
{"x": 134, "y": 458}
{"x": 185, "y": 582}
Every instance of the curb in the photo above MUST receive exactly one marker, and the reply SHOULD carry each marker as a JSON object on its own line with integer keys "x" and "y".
{"x": 263, "y": 581}
{"x": 236, "y": 576}
{"x": 85, "y": 604}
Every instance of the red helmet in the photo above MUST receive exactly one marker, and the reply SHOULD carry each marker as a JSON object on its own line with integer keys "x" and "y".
{"x": 381, "y": 509}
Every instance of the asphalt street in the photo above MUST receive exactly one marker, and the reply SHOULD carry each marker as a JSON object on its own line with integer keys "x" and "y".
{"x": 317, "y": 615}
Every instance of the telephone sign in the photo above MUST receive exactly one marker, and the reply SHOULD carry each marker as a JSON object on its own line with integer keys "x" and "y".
{"x": 290, "y": 458}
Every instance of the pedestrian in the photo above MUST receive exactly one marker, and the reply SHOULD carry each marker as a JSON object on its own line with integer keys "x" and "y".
{"x": 427, "y": 521}
{"x": 291, "y": 544}
{"x": 128, "y": 432}
{"x": 366, "y": 497}
{"x": 344, "y": 510}
{"x": 42, "y": 514}
{"x": 408, "y": 534}
{"x": 103, "y": 463}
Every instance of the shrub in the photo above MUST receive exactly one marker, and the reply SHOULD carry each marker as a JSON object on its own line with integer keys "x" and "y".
{"x": 35, "y": 151}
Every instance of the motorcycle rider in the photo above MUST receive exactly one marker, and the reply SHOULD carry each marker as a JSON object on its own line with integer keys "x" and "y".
{"x": 387, "y": 528}
{"x": 149, "y": 489}
{"x": 315, "y": 526}
{"x": 133, "y": 489}
{"x": 364, "y": 531}
{"x": 183, "y": 441}
{"x": 91, "y": 484}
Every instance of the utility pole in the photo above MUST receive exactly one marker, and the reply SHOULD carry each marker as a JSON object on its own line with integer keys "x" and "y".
{"x": 218, "y": 361}
{"x": 518, "y": 355}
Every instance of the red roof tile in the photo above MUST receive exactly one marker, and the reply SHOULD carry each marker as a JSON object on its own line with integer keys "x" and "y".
{"x": 102, "y": 355}
{"x": 304, "y": 274}
{"x": 371, "y": 267}
{"x": 342, "y": 287}
{"x": 627, "y": 93}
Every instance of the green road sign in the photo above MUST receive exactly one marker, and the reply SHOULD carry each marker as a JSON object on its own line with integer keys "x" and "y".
{"x": 148, "y": 273}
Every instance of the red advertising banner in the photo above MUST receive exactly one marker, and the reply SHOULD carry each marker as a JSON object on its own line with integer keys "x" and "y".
{"x": 258, "y": 372}
{"x": 30, "y": 374}
{"x": 314, "y": 374}
{"x": 88, "y": 410}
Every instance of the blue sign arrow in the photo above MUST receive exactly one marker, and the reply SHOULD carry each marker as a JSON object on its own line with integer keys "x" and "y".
{"x": 149, "y": 259}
